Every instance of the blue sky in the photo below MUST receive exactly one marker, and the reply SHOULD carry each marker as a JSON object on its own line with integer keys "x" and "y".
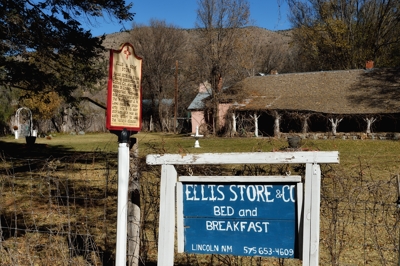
{"x": 182, "y": 13}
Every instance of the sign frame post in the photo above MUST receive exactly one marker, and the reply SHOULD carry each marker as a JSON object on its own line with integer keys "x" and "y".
{"x": 310, "y": 212}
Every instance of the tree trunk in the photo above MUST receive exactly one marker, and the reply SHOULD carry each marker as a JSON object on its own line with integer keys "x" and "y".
{"x": 304, "y": 129}
{"x": 133, "y": 245}
{"x": 277, "y": 131}
{"x": 55, "y": 125}
{"x": 65, "y": 120}
{"x": 176, "y": 98}
{"x": 161, "y": 116}
{"x": 216, "y": 121}
{"x": 165, "y": 123}
{"x": 217, "y": 89}
{"x": 151, "y": 126}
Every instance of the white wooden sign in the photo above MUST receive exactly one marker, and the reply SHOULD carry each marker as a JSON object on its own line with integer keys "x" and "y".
{"x": 311, "y": 201}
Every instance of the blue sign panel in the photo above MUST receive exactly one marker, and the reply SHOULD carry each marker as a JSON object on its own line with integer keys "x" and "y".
{"x": 240, "y": 219}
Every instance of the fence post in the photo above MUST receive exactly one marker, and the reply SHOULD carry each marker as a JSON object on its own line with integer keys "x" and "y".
{"x": 134, "y": 206}
{"x": 398, "y": 208}
{"x": 167, "y": 216}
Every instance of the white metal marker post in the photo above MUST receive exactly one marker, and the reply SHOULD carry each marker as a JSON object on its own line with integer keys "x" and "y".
{"x": 124, "y": 117}
{"x": 123, "y": 183}
{"x": 197, "y": 136}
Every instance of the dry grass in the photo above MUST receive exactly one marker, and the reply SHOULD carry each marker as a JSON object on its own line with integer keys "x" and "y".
{"x": 359, "y": 219}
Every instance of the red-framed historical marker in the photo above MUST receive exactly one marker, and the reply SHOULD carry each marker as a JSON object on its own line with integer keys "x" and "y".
{"x": 124, "y": 98}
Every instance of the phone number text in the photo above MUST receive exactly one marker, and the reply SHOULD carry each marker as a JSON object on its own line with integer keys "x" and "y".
{"x": 265, "y": 251}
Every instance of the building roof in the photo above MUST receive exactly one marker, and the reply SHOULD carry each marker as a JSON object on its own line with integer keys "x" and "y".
{"x": 336, "y": 92}
{"x": 147, "y": 104}
{"x": 198, "y": 101}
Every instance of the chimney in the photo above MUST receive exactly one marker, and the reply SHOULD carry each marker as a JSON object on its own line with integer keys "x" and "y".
{"x": 203, "y": 87}
{"x": 369, "y": 64}
{"x": 219, "y": 85}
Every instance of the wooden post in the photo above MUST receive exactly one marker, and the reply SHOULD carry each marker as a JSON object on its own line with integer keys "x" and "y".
{"x": 133, "y": 229}
{"x": 315, "y": 210}
{"x": 176, "y": 96}
{"x": 398, "y": 208}
{"x": 167, "y": 216}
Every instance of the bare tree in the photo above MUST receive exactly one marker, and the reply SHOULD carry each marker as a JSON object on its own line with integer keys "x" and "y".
{"x": 160, "y": 45}
{"x": 257, "y": 52}
{"x": 218, "y": 24}
{"x": 337, "y": 34}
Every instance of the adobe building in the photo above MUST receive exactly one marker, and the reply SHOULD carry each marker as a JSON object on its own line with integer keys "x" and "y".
{"x": 348, "y": 103}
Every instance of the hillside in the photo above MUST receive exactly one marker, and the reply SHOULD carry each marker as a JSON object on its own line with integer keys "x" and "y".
{"x": 114, "y": 40}
{"x": 276, "y": 42}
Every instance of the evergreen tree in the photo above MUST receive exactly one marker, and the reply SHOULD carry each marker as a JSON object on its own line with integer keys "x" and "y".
{"x": 44, "y": 46}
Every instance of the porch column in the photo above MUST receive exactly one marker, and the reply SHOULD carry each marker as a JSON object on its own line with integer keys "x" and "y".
{"x": 335, "y": 123}
{"x": 234, "y": 117}
{"x": 277, "y": 131}
{"x": 255, "y": 117}
{"x": 151, "y": 124}
{"x": 370, "y": 121}
{"x": 304, "y": 128}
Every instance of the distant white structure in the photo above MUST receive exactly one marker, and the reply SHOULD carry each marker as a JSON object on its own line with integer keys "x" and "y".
{"x": 197, "y": 136}
{"x": 24, "y": 129}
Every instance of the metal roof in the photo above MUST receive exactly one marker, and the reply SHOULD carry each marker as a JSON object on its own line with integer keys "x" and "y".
{"x": 198, "y": 101}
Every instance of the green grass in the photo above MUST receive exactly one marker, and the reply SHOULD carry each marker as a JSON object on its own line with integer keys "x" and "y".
{"x": 59, "y": 145}
{"x": 383, "y": 154}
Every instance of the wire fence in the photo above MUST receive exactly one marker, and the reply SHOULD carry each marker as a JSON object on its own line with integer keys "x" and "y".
{"x": 62, "y": 211}
{"x": 359, "y": 220}
{"x": 56, "y": 211}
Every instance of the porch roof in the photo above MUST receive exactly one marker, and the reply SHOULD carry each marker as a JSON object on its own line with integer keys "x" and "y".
{"x": 336, "y": 92}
